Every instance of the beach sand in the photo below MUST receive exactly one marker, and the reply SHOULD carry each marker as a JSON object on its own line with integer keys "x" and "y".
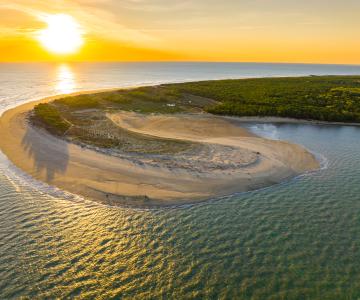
{"x": 231, "y": 160}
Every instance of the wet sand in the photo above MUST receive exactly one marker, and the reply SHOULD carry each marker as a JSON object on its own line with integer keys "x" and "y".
{"x": 233, "y": 160}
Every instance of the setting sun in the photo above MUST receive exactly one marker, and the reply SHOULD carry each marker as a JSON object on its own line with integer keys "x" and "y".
{"x": 63, "y": 34}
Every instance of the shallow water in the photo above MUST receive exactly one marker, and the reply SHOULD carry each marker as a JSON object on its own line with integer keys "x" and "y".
{"x": 296, "y": 240}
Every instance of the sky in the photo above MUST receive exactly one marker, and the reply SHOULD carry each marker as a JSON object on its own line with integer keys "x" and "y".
{"x": 306, "y": 31}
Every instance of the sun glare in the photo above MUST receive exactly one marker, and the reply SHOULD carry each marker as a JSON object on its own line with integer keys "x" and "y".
{"x": 65, "y": 79}
{"x": 63, "y": 34}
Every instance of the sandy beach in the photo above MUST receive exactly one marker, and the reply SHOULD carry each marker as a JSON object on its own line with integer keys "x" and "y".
{"x": 230, "y": 160}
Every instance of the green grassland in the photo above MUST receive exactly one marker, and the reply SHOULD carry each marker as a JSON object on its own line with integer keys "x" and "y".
{"x": 83, "y": 117}
{"x": 51, "y": 118}
{"x": 153, "y": 99}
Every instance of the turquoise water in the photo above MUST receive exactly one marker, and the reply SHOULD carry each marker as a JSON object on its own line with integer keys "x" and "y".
{"x": 297, "y": 240}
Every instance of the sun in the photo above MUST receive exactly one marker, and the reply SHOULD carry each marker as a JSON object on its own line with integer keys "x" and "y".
{"x": 63, "y": 34}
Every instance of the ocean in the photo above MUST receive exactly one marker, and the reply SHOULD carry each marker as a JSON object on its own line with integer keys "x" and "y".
{"x": 296, "y": 240}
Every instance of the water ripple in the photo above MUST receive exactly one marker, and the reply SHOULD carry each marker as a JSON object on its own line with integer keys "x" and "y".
{"x": 299, "y": 240}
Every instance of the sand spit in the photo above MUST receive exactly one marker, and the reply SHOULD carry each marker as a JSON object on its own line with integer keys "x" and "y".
{"x": 230, "y": 160}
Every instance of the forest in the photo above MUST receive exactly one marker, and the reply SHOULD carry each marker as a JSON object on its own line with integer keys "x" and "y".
{"x": 324, "y": 98}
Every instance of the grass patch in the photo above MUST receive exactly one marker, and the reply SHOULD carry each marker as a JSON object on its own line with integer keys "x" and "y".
{"x": 48, "y": 115}
{"x": 79, "y": 102}
{"x": 146, "y": 100}
{"x": 158, "y": 99}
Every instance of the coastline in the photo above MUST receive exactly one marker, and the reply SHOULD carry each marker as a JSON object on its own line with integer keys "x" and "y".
{"x": 282, "y": 120}
{"x": 118, "y": 181}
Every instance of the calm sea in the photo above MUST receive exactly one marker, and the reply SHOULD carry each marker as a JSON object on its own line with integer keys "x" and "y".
{"x": 298, "y": 240}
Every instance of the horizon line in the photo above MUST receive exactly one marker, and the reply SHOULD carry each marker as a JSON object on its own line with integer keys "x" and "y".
{"x": 181, "y": 62}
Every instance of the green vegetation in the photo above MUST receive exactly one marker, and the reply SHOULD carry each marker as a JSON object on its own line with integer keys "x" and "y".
{"x": 145, "y": 100}
{"x": 84, "y": 117}
{"x": 51, "y": 118}
{"x": 154, "y": 99}
{"x": 324, "y": 98}
{"x": 79, "y": 102}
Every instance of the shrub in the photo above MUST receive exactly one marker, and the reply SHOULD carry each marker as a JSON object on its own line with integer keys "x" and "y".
{"x": 51, "y": 118}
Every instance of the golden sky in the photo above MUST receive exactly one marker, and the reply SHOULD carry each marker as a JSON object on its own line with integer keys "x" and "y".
{"x": 317, "y": 31}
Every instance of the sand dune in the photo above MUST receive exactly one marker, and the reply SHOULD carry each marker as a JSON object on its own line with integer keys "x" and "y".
{"x": 179, "y": 126}
{"x": 231, "y": 160}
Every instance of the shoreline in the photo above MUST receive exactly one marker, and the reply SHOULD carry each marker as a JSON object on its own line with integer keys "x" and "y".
{"x": 282, "y": 120}
{"x": 118, "y": 182}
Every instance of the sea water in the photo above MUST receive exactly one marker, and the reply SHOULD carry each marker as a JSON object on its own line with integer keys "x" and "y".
{"x": 300, "y": 239}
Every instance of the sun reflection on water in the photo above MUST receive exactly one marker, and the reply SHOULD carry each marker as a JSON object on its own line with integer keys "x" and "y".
{"x": 65, "y": 80}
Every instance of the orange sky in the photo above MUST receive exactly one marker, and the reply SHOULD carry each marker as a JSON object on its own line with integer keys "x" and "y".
{"x": 204, "y": 30}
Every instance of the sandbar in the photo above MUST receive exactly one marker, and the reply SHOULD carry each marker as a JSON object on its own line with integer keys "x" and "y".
{"x": 231, "y": 160}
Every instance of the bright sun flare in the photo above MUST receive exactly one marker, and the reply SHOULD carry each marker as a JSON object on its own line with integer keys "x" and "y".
{"x": 63, "y": 34}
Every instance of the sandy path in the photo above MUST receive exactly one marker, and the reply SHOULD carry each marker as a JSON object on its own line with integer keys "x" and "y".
{"x": 118, "y": 181}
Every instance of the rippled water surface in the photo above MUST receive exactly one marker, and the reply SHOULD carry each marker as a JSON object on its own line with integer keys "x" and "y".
{"x": 296, "y": 240}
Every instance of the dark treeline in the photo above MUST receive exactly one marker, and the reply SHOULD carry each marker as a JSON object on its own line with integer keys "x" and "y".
{"x": 325, "y": 98}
